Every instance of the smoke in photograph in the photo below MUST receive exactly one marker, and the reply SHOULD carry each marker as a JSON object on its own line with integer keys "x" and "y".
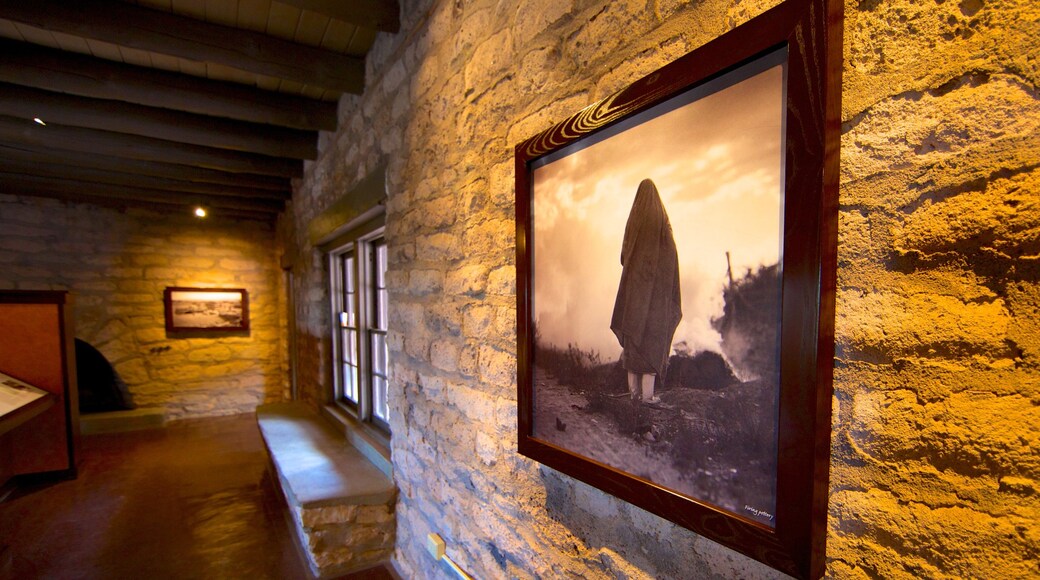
{"x": 718, "y": 165}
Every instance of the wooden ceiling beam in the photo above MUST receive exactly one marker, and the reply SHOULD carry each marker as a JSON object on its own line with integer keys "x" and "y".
{"x": 382, "y": 15}
{"x": 54, "y": 70}
{"x": 21, "y": 184}
{"x": 130, "y": 180}
{"x": 31, "y": 155}
{"x": 165, "y": 208}
{"x": 72, "y": 111}
{"x": 132, "y": 26}
{"x": 20, "y": 131}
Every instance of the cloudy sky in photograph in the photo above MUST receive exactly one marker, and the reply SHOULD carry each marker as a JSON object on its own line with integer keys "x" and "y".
{"x": 717, "y": 164}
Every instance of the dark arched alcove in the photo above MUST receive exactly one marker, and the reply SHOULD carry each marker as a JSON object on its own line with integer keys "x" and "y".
{"x": 100, "y": 387}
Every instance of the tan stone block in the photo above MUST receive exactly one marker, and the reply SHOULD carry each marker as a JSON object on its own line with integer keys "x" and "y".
{"x": 150, "y": 260}
{"x": 313, "y": 518}
{"x": 417, "y": 346}
{"x": 487, "y": 448}
{"x": 497, "y": 367}
{"x": 374, "y": 514}
{"x": 475, "y": 404}
{"x": 216, "y": 353}
{"x": 901, "y": 324}
{"x": 469, "y": 361}
{"x": 477, "y": 321}
{"x": 227, "y": 369}
{"x": 167, "y": 276}
{"x": 112, "y": 330}
{"x": 134, "y": 371}
{"x": 107, "y": 286}
{"x": 491, "y": 237}
{"x": 215, "y": 251}
{"x": 128, "y": 298}
{"x": 424, "y": 282}
{"x": 439, "y": 247}
{"x": 439, "y": 213}
{"x": 489, "y": 61}
{"x": 150, "y": 334}
{"x": 444, "y": 354}
{"x": 502, "y": 281}
{"x": 126, "y": 272}
{"x": 193, "y": 262}
{"x": 141, "y": 287}
{"x": 469, "y": 279}
{"x": 238, "y": 265}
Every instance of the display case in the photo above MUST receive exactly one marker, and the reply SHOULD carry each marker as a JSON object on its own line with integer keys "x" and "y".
{"x": 36, "y": 348}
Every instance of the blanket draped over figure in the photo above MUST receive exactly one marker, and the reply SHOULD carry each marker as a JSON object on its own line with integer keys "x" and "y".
{"x": 648, "y": 307}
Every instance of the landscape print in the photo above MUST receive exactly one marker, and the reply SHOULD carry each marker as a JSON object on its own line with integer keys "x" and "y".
{"x": 657, "y": 293}
{"x": 206, "y": 309}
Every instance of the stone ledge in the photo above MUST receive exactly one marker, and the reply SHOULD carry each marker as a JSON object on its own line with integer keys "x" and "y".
{"x": 119, "y": 421}
{"x": 341, "y": 506}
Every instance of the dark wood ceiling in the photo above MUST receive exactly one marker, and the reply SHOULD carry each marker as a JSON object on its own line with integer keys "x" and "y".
{"x": 171, "y": 104}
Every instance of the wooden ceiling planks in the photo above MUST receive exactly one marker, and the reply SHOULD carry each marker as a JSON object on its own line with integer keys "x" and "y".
{"x": 220, "y": 113}
{"x": 181, "y": 36}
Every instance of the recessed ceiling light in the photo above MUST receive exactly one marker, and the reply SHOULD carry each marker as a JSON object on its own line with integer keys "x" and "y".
{"x": 40, "y": 121}
{"x": 200, "y": 212}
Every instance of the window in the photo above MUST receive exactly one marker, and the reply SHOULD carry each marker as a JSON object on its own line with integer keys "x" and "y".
{"x": 360, "y": 314}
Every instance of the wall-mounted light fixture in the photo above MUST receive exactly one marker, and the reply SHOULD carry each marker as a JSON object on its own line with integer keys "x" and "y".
{"x": 200, "y": 212}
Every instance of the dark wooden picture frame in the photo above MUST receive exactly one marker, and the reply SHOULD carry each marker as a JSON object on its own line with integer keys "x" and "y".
{"x": 804, "y": 37}
{"x": 206, "y": 309}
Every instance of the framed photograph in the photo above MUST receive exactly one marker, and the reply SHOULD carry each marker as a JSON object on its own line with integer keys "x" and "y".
{"x": 676, "y": 265}
{"x": 206, "y": 309}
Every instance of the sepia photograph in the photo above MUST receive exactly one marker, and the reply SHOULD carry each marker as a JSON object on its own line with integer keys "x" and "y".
{"x": 206, "y": 309}
{"x": 656, "y": 307}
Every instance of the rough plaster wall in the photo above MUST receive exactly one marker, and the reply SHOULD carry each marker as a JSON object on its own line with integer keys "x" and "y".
{"x": 116, "y": 265}
{"x": 935, "y": 461}
{"x": 936, "y": 448}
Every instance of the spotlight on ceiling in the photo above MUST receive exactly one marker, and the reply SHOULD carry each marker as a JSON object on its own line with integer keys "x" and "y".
{"x": 200, "y": 212}
{"x": 40, "y": 121}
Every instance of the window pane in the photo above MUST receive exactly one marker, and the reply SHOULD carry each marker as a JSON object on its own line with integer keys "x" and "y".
{"x": 379, "y": 354}
{"x": 381, "y": 265}
{"x": 349, "y": 317}
{"x": 350, "y": 347}
{"x": 380, "y": 293}
{"x": 379, "y": 394}
{"x": 379, "y": 376}
{"x": 348, "y": 273}
{"x": 350, "y": 382}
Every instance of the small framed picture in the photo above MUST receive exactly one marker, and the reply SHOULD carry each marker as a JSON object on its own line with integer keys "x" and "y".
{"x": 206, "y": 309}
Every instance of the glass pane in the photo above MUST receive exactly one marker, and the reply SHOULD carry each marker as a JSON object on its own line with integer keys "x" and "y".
{"x": 350, "y": 347}
{"x": 350, "y": 383}
{"x": 379, "y": 395}
{"x": 379, "y": 354}
{"x": 382, "y": 314}
{"x": 381, "y": 265}
{"x": 380, "y": 293}
{"x": 348, "y": 274}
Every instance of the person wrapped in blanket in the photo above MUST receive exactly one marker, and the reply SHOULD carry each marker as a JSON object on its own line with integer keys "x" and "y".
{"x": 648, "y": 306}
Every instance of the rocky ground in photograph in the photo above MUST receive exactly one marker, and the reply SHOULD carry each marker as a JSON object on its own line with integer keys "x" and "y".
{"x": 713, "y": 444}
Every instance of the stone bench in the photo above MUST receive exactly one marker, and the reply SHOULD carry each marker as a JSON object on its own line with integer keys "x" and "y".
{"x": 342, "y": 506}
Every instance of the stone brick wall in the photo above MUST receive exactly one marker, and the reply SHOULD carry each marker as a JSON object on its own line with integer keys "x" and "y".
{"x": 343, "y": 538}
{"x": 936, "y": 470}
{"x": 116, "y": 265}
{"x": 936, "y": 422}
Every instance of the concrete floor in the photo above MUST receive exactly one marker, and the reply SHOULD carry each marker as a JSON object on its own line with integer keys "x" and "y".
{"x": 193, "y": 500}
